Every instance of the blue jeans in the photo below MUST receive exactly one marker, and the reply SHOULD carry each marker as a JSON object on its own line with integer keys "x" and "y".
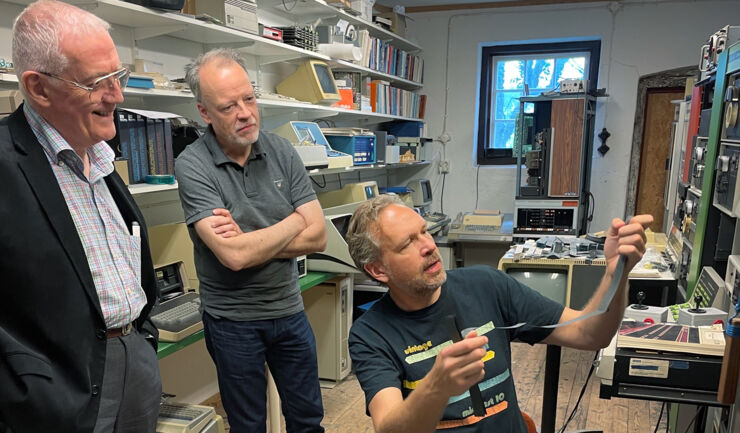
{"x": 240, "y": 350}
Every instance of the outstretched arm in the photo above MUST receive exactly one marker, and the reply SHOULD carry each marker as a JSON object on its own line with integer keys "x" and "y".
{"x": 626, "y": 239}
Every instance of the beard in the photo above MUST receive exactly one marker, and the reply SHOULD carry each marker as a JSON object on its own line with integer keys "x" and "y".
{"x": 421, "y": 284}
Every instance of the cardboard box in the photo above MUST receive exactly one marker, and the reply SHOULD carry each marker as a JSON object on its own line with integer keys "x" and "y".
{"x": 10, "y": 100}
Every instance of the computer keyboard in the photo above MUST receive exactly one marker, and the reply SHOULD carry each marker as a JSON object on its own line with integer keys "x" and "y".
{"x": 480, "y": 228}
{"x": 183, "y": 418}
{"x": 178, "y": 317}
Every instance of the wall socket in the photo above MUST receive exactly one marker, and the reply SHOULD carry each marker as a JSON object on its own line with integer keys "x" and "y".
{"x": 444, "y": 166}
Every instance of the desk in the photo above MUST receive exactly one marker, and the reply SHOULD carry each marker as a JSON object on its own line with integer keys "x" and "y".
{"x": 311, "y": 279}
{"x": 482, "y": 248}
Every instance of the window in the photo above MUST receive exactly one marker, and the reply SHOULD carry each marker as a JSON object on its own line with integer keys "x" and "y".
{"x": 508, "y": 72}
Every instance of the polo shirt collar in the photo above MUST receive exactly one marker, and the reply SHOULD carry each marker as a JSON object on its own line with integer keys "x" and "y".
{"x": 220, "y": 158}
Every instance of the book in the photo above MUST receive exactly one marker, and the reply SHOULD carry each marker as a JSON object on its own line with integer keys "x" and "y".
{"x": 672, "y": 337}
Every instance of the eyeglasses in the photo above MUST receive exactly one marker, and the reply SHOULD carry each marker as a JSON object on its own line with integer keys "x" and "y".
{"x": 100, "y": 84}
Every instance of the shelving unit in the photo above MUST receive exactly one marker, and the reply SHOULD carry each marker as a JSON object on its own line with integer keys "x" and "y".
{"x": 308, "y": 11}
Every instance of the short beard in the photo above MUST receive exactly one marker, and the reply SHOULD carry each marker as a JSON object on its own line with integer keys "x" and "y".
{"x": 419, "y": 286}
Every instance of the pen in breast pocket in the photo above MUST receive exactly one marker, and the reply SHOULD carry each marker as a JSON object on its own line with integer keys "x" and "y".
{"x": 135, "y": 229}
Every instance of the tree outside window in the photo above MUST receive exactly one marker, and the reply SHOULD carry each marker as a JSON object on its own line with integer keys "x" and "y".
{"x": 511, "y": 69}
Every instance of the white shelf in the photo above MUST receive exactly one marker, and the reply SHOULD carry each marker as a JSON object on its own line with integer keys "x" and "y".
{"x": 396, "y": 81}
{"x": 144, "y": 188}
{"x": 148, "y": 23}
{"x": 355, "y": 168}
{"x": 307, "y": 11}
{"x": 271, "y": 107}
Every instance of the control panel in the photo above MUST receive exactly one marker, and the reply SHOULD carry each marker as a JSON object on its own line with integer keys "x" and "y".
{"x": 691, "y": 212}
{"x": 542, "y": 217}
{"x": 726, "y": 189}
{"x": 697, "y": 163}
{"x": 731, "y": 124}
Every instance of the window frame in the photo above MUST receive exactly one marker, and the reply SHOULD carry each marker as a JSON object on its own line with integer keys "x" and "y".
{"x": 498, "y": 156}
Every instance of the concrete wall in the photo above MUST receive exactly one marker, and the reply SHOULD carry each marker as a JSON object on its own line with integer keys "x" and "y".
{"x": 638, "y": 38}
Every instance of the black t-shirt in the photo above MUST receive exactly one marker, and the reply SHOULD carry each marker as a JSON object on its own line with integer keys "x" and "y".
{"x": 394, "y": 348}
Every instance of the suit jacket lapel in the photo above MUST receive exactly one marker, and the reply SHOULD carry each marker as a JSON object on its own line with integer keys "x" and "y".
{"x": 42, "y": 181}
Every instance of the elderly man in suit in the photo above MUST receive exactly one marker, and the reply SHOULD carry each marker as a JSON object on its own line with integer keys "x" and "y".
{"x": 77, "y": 351}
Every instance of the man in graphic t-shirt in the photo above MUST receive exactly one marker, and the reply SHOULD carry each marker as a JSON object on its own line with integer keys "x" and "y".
{"x": 415, "y": 379}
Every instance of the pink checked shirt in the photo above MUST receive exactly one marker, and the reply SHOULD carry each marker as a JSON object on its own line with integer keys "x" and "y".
{"x": 113, "y": 254}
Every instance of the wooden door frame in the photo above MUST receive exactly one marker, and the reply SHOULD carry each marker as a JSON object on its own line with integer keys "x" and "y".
{"x": 670, "y": 78}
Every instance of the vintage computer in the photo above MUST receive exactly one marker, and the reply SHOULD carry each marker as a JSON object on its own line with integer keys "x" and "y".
{"x": 188, "y": 418}
{"x": 312, "y": 146}
{"x": 177, "y": 313}
{"x": 421, "y": 192}
{"x": 335, "y": 257}
{"x": 421, "y": 196}
{"x": 312, "y": 82}
{"x": 352, "y": 193}
{"x": 569, "y": 281}
{"x": 328, "y": 307}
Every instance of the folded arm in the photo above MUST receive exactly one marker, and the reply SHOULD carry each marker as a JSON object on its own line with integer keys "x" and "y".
{"x": 597, "y": 331}
{"x": 313, "y": 237}
{"x": 250, "y": 249}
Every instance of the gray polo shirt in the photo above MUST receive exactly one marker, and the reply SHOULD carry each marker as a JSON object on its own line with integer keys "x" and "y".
{"x": 270, "y": 186}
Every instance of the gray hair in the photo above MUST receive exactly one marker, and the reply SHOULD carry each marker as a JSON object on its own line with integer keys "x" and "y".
{"x": 362, "y": 240}
{"x": 38, "y": 32}
{"x": 224, "y": 55}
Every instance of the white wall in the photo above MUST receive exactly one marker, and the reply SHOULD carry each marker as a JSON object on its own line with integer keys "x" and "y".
{"x": 638, "y": 38}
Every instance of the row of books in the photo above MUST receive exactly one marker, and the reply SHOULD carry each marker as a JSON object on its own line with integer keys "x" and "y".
{"x": 146, "y": 143}
{"x": 381, "y": 56}
{"x": 386, "y": 99}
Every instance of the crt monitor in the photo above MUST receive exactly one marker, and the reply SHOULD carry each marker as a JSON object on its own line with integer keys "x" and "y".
{"x": 421, "y": 192}
{"x": 571, "y": 282}
{"x": 312, "y": 82}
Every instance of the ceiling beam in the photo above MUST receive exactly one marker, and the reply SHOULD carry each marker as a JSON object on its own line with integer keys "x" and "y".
{"x": 492, "y": 5}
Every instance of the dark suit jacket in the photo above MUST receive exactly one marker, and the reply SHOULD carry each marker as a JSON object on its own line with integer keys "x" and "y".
{"x": 52, "y": 332}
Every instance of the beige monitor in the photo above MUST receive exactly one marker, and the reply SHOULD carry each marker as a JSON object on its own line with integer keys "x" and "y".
{"x": 571, "y": 282}
{"x": 312, "y": 82}
{"x": 350, "y": 193}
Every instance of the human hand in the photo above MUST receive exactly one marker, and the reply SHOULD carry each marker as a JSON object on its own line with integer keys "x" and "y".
{"x": 459, "y": 366}
{"x": 224, "y": 224}
{"x": 626, "y": 239}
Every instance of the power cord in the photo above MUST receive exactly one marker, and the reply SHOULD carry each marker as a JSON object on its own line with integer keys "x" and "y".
{"x": 691, "y": 423}
{"x": 580, "y": 395}
{"x": 317, "y": 184}
{"x": 477, "y": 175}
{"x": 660, "y": 416}
{"x": 442, "y": 196}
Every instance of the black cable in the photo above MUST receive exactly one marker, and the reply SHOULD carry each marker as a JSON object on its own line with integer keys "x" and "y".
{"x": 442, "y": 195}
{"x": 660, "y": 416}
{"x": 339, "y": 176}
{"x": 317, "y": 184}
{"x": 667, "y": 420}
{"x": 691, "y": 423}
{"x": 477, "y": 175}
{"x": 580, "y": 395}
